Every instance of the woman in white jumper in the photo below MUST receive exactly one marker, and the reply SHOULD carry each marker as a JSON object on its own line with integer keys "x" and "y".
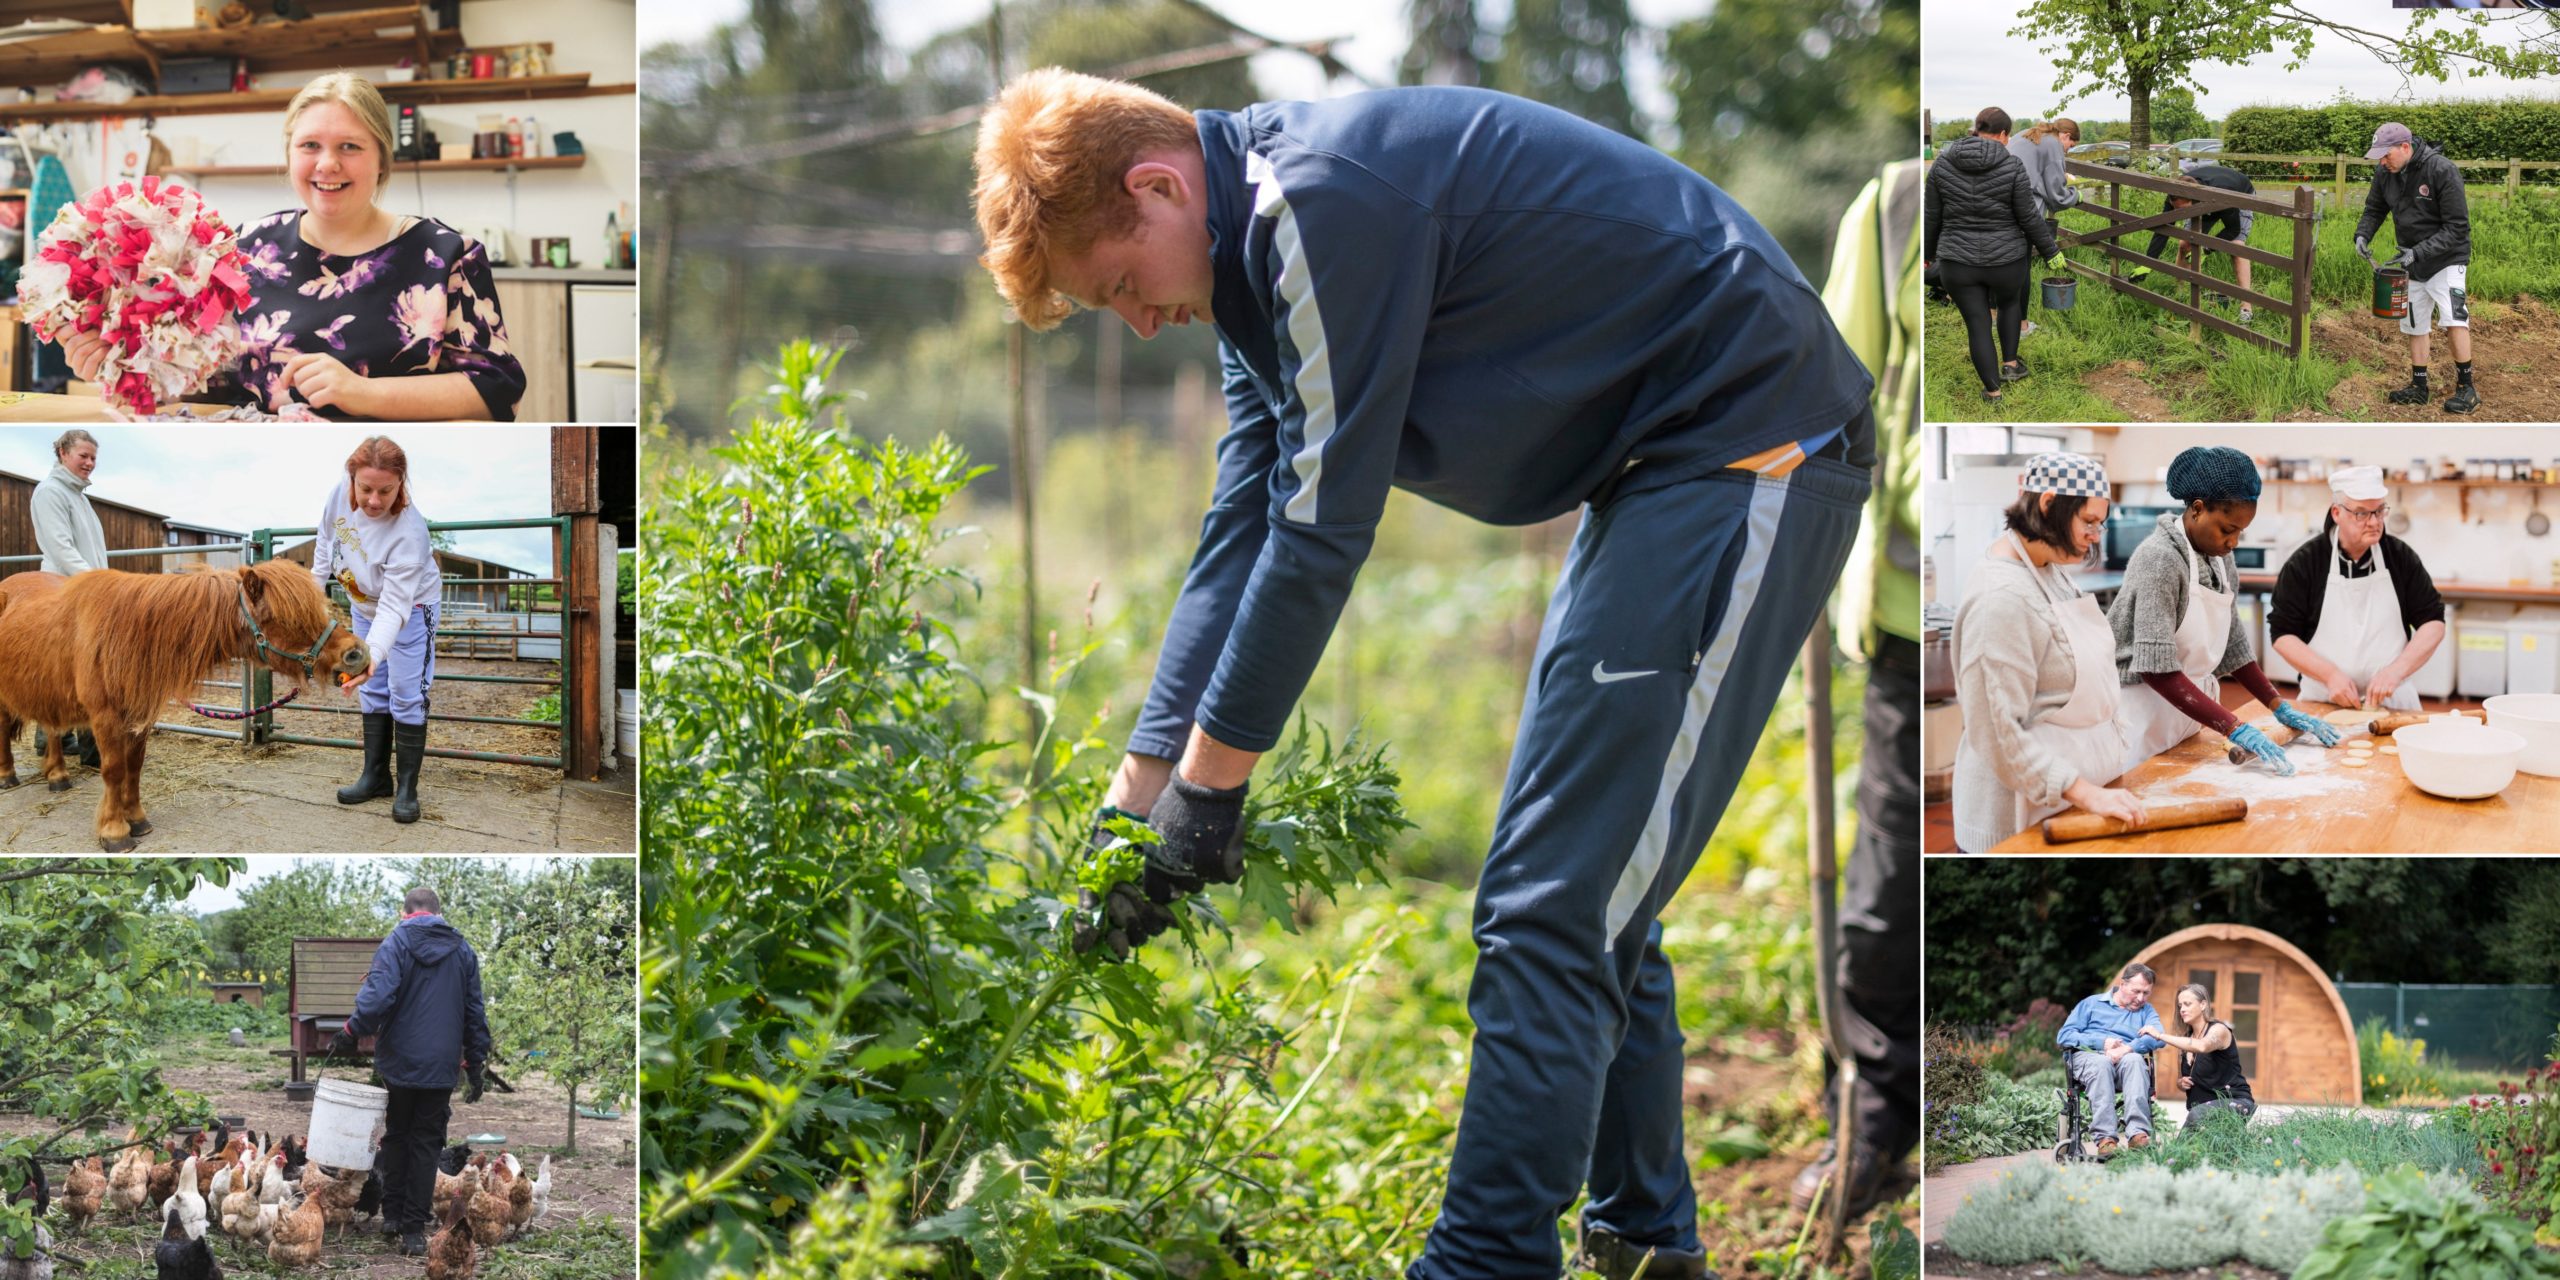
{"x": 2037, "y": 667}
{"x": 373, "y": 544}
{"x": 68, "y": 533}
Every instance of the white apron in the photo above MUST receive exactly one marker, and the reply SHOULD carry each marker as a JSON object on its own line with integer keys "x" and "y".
{"x": 2151, "y": 724}
{"x": 2360, "y": 630}
{"x": 2082, "y": 731}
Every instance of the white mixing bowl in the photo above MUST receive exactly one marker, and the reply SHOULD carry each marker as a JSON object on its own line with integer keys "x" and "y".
{"x": 2458, "y": 760}
{"x": 2535, "y": 717}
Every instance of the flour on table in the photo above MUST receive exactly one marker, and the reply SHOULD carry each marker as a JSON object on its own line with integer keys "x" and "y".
{"x": 2317, "y": 774}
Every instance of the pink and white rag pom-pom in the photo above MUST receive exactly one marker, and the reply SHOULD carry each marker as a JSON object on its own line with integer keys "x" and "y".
{"x": 152, "y": 270}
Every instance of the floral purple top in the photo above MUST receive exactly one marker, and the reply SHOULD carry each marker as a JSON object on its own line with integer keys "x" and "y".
{"x": 422, "y": 303}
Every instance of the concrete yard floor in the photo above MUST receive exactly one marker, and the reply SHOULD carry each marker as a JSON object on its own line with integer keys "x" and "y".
{"x": 212, "y": 796}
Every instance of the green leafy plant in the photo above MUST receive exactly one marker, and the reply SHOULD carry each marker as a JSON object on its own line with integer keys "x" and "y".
{"x": 2314, "y": 1139}
{"x": 858, "y": 983}
{"x": 2414, "y": 1228}
{"x": 2518, "y": 1133}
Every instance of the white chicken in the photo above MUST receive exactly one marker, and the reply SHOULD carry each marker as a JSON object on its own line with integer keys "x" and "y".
{"x": 215, "y": 1195}
{"x": 272, "y": 1186}
{"x": 541, "y": 1194}
{"x": 190, "y": 1201}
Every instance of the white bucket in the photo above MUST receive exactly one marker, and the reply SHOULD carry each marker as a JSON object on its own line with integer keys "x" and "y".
{"x": 343, "y": 1118}
{"x": 627, "y": 723}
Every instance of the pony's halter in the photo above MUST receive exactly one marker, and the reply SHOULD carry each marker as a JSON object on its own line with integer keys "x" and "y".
{"x": 258, "y": 635}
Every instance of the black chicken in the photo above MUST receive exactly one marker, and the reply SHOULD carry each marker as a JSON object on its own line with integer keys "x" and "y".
{"x": 179, "y": 1258}
{"x": 33, "y": 1190}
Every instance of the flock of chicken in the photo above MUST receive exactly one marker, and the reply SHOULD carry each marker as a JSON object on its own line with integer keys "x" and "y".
{"x": 272, "y": 1196}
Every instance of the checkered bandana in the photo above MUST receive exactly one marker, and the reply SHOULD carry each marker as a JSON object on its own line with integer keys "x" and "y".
{"x": 2071, "y": 474}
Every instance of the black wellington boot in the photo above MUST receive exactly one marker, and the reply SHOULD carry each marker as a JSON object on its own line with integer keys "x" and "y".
{"x": 375, "y": 782}
{"x": 408, "y": 750}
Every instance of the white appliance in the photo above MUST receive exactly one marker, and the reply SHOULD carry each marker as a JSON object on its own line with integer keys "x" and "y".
{"x": 604, "y": 353}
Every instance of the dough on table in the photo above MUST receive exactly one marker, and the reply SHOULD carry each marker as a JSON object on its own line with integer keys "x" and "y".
{"x": 2357, "y": 762}
{"x": 2346, "y": 716}
{"x": 2391, "y": 750}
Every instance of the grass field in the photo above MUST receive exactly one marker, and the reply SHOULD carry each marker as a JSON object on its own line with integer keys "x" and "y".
{"x": 2114, "y": 358}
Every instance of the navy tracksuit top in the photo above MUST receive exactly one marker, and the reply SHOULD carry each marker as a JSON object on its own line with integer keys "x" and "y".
{"x": 1491, "y": 303}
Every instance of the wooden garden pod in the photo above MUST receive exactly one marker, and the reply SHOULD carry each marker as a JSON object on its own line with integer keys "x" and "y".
{"x": 2297, "y": 1044}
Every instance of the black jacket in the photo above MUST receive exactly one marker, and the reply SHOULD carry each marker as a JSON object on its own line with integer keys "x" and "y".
{"x": 421, "y": 1002}
{"x": 1981, "y": 207}
{"x": 2429, "y": 213}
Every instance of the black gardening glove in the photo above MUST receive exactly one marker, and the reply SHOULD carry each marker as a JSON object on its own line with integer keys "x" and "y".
{"x": 343, "y": 1044}
{"x": 1200, "y": 839}
{"x": 479, "y": 1081}
{"x": 1122, "y": 919}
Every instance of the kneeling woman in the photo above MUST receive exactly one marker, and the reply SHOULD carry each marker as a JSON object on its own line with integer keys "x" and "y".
{"x": 373, "y": 543}
{"x": 2208, "y": 1060}
{"x": 2038, "y": 685}
{"x": 2177, "y": 635}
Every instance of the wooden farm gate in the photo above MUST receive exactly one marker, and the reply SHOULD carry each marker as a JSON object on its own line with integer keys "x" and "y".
{"x": 2171, "y": 222}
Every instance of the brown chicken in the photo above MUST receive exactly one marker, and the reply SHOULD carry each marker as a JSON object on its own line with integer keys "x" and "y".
{"x": 84, "y": 1193}
{"x": 519, "y": 1196}
{"x": 488, "y": 1211}
{"x": 456, "y": 1189}
{"x": 337, "y": 1194}
{"x": 129, "y": 1183}
{"x": 163, "y": 1176}
{"x": 297, "y": 1236}
{"x": 452, "y": 1254}
{"x": 240, "y": 1205}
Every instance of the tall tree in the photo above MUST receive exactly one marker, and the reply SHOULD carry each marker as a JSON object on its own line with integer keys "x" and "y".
{"x": 559, "y": 987}
{"x": 2175, "y": 115}
{"x": 2145, "y": 46}
{"x": 1571, "y": 54}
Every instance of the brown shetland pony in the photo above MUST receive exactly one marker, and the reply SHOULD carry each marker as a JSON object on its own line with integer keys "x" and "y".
{"x": 106, "y": 648}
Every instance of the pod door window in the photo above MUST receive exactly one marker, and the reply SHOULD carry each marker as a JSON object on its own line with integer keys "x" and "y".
{"x": 2239, "y": 998}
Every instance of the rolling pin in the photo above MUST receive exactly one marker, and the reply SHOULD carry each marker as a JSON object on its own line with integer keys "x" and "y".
{"x": 2065, "y": 828}
{"x": 2393, "y": 723}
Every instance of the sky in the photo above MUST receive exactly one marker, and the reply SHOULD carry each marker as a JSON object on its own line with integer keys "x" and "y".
{"x": 1376, "y": 31}
{"x": 1970, "y": 61}
{"x": 247, "y": 476}
{"x": 206, "y": 900}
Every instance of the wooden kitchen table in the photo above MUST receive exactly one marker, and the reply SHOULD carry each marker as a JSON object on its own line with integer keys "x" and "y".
{"x": 2375, "y": 809}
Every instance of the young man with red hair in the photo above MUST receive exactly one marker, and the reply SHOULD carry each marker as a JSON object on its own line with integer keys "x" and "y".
{"x": 1513, "y": 313}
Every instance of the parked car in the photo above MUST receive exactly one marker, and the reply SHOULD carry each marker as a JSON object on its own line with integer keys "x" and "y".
{"x": 2197, "y": 146}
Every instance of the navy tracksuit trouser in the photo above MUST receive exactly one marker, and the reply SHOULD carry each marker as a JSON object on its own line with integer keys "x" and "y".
{"x": 1680, "y": 611}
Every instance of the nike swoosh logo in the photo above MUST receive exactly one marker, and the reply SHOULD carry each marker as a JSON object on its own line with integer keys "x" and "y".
{"x": 1600, "y": 673}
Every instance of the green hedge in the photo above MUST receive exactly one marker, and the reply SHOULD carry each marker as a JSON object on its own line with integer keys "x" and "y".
{"x": 2511, "y": 129}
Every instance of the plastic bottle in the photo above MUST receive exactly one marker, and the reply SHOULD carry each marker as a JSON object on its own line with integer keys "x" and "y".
{"x": 612, "y": 239}
{"x": 515, "y": 136}
{"x": 532, "y": 137}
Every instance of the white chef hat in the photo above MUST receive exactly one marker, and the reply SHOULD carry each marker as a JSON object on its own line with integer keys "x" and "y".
{"x": 2356, "y": 484}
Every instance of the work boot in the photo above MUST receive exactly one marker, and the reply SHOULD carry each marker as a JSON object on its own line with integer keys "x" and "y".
{"x": 2415, "y": 393}
{"x": 1618, "y": 1260}
{"x": 414, "y": 1244}
{"x": 409, "y": 750}
{"x": 375, "y": 782}
{"x": 1872, "y": 1181}
{"x": 2464, "y": 400}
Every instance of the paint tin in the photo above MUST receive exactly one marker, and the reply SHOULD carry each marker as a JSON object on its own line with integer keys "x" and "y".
{"x": 2390, "y": 293}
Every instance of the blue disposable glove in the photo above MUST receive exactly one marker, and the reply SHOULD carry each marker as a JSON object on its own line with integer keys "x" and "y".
{"x": 2300, "y": 721}
{"x": 2249, "y": 737}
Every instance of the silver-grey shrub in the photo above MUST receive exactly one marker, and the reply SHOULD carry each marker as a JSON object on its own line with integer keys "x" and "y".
{"x": 2148, "y": 1218}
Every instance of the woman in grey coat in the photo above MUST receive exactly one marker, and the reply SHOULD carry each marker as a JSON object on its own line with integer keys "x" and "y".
{"x": 2042, "y": 149}
{"x": 1981, "y": 222}
{"x": 68, "y": 533}
{"x": 67, "y": 529}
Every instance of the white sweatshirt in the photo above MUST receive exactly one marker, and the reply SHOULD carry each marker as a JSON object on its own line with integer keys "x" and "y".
{"x": 67, "y": 529}
{"x": 393, "y": 565}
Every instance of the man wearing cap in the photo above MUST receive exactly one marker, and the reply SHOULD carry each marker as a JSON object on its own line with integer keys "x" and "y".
{"x": 2038, "y": 682}
{"x": 2355, "y": 612}
{"x": 2421, "y": 190}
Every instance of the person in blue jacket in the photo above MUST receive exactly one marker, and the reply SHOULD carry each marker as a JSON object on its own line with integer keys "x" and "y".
{"x": 1513, "y": 313}
{"x": 421, "y": 1004}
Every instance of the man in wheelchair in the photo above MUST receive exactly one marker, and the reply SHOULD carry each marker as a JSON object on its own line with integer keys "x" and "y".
{"x": 2106, "y": 1055}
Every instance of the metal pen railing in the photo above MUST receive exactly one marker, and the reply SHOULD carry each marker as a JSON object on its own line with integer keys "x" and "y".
{"x": 259, "y": 686}
{"x": 564, "y": 534}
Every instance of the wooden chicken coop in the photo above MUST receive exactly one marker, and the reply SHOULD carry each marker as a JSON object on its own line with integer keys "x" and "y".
{"x": 2296, "y": 1042}
{"x": 320, "y": 995}
{"x": 248, "y": 993}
